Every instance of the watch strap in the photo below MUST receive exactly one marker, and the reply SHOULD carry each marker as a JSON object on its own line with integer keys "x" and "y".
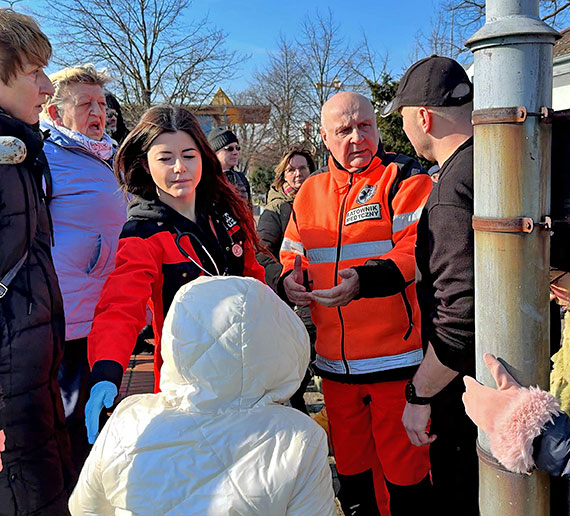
{"x": 413, "y": 398}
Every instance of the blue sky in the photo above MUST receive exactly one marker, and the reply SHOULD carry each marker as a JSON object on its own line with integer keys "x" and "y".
{"x": 253, "y": 26}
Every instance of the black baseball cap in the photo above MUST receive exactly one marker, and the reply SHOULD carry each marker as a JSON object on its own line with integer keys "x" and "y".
{"x": 432, "y": 81}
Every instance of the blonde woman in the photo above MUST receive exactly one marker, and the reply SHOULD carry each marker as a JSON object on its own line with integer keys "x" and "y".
{"x": 88, "y": 212}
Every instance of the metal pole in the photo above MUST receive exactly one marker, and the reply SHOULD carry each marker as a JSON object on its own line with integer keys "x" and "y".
{"x": 513, "y": 82}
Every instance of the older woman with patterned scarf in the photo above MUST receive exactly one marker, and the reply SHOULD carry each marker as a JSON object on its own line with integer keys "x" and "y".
{"x": 295, "y": 166}
{"x": 88, "y": 212}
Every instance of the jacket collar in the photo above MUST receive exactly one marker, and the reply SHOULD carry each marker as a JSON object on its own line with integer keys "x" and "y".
{"x": 341, "y": 175}
{"x": 29, "y": 134}
{"x": 156, "y": 210}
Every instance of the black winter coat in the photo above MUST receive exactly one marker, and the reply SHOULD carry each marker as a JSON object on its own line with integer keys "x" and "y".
{"x": 37, "y": 467}
{"x": 551, "y": 449}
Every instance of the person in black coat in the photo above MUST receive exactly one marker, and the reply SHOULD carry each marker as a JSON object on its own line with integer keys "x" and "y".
{"x": 37, "y": 472}
{"x": 2, "y": 435}
{"x": 115, "y": 126}
{"x": 226, "y": 146}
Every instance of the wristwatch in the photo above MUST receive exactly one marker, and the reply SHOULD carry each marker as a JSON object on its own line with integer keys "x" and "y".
{"x": 412, "y": 398}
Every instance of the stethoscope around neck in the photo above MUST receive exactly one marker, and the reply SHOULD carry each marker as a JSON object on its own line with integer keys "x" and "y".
{"x": 179, "y": 235}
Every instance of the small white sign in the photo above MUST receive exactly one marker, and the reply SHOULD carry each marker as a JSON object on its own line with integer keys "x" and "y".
{"x": 366, "y": 212}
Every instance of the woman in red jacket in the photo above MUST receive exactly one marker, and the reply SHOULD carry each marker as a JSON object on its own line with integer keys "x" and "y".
{"x": 185, "y": 221}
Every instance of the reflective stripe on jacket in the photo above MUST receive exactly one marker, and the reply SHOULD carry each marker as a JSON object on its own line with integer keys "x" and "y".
{"x": 343, "y": 220}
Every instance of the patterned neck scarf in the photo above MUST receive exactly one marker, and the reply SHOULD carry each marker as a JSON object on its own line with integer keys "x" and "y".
{"x": 289, "y": 190}
{"x": 103, "y": 148}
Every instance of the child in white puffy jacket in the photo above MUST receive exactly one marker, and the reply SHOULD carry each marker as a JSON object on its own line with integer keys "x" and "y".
{"x": 216, "y": 440}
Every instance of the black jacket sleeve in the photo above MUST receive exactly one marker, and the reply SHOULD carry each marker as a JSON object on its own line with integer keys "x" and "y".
{"x": 271, "y": 234}
{"x": 2, "y": 405}
{"x": 16, "y": 215}
{"x": 445, "y": 285}
{"x": 551, "y": 449}
{"x": 379, "y": 278}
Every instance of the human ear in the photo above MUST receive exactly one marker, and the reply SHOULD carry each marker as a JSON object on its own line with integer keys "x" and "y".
{"x": 324, "y": 136}
{"x": 424, "y": 119}
{"x": 53, "y": 113}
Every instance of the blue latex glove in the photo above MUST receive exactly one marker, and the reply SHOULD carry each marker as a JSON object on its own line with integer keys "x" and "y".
{"x": 102, "y": 394}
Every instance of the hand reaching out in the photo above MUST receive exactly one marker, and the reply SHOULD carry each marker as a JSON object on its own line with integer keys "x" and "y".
{"x": 293, "y": 285}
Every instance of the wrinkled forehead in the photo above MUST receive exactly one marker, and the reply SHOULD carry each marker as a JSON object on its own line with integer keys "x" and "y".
{"x": 82, "y": 92}
{"x": 348, "y": 112}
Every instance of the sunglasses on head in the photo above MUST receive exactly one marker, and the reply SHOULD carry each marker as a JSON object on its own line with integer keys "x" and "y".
{"x": 232, "y": 148}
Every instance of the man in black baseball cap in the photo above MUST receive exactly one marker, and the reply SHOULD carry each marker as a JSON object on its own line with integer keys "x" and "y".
{"x": 432, "y": 81}
{"x": 434, "y": 99}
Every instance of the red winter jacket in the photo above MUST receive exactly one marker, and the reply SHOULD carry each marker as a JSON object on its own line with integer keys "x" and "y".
{"x": 159, "y": 251}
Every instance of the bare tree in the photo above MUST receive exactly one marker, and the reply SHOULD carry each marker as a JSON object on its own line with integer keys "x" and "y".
{"x": 298, "y": 79}
{"x": 253, "y": 137}
{"x": 153, "y": 51}
{"x": 11, "y": 3}
{"x": 327, "y": 63}
{"x": 368, "y": 65}
{"x": 281, "y": 85}
{"x": 457, "y": 20}
{"x": 442, "y": 39}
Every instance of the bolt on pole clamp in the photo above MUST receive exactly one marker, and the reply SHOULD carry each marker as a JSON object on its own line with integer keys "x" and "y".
{"x": 509, "y": 115}
{"x": 509, "y": 225}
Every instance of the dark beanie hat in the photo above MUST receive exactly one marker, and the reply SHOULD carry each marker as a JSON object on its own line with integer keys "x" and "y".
{"x": 220, "y": 137}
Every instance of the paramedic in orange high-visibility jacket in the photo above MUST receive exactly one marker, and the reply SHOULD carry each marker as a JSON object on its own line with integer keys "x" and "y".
{"x": 348, "y": 252}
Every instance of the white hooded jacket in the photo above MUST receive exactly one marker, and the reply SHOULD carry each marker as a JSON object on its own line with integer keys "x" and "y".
{"x": 216, "y": 440}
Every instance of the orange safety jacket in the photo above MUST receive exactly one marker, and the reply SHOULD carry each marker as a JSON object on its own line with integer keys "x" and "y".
{"x": 366, "y": 220}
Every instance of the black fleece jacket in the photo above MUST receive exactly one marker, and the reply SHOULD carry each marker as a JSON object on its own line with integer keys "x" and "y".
{"x": 2, "y": 405}
{"x": 445, "y": 264}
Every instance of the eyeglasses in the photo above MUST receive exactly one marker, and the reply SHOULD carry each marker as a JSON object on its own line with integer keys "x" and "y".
{"x": 301, "y": 170}
{"x": 232, "y": 148}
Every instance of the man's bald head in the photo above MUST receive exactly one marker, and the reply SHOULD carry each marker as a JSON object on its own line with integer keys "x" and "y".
{"x": 349, "y": 130}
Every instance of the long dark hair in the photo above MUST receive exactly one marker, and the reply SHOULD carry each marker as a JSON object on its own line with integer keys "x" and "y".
{"x": 213, "y": 187}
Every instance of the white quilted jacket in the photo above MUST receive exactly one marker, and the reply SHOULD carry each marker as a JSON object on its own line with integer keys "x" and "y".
{"x": 216, "y": 440}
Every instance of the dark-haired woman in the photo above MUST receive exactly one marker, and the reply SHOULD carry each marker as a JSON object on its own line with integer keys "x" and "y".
{"x": 185, "y": 221}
